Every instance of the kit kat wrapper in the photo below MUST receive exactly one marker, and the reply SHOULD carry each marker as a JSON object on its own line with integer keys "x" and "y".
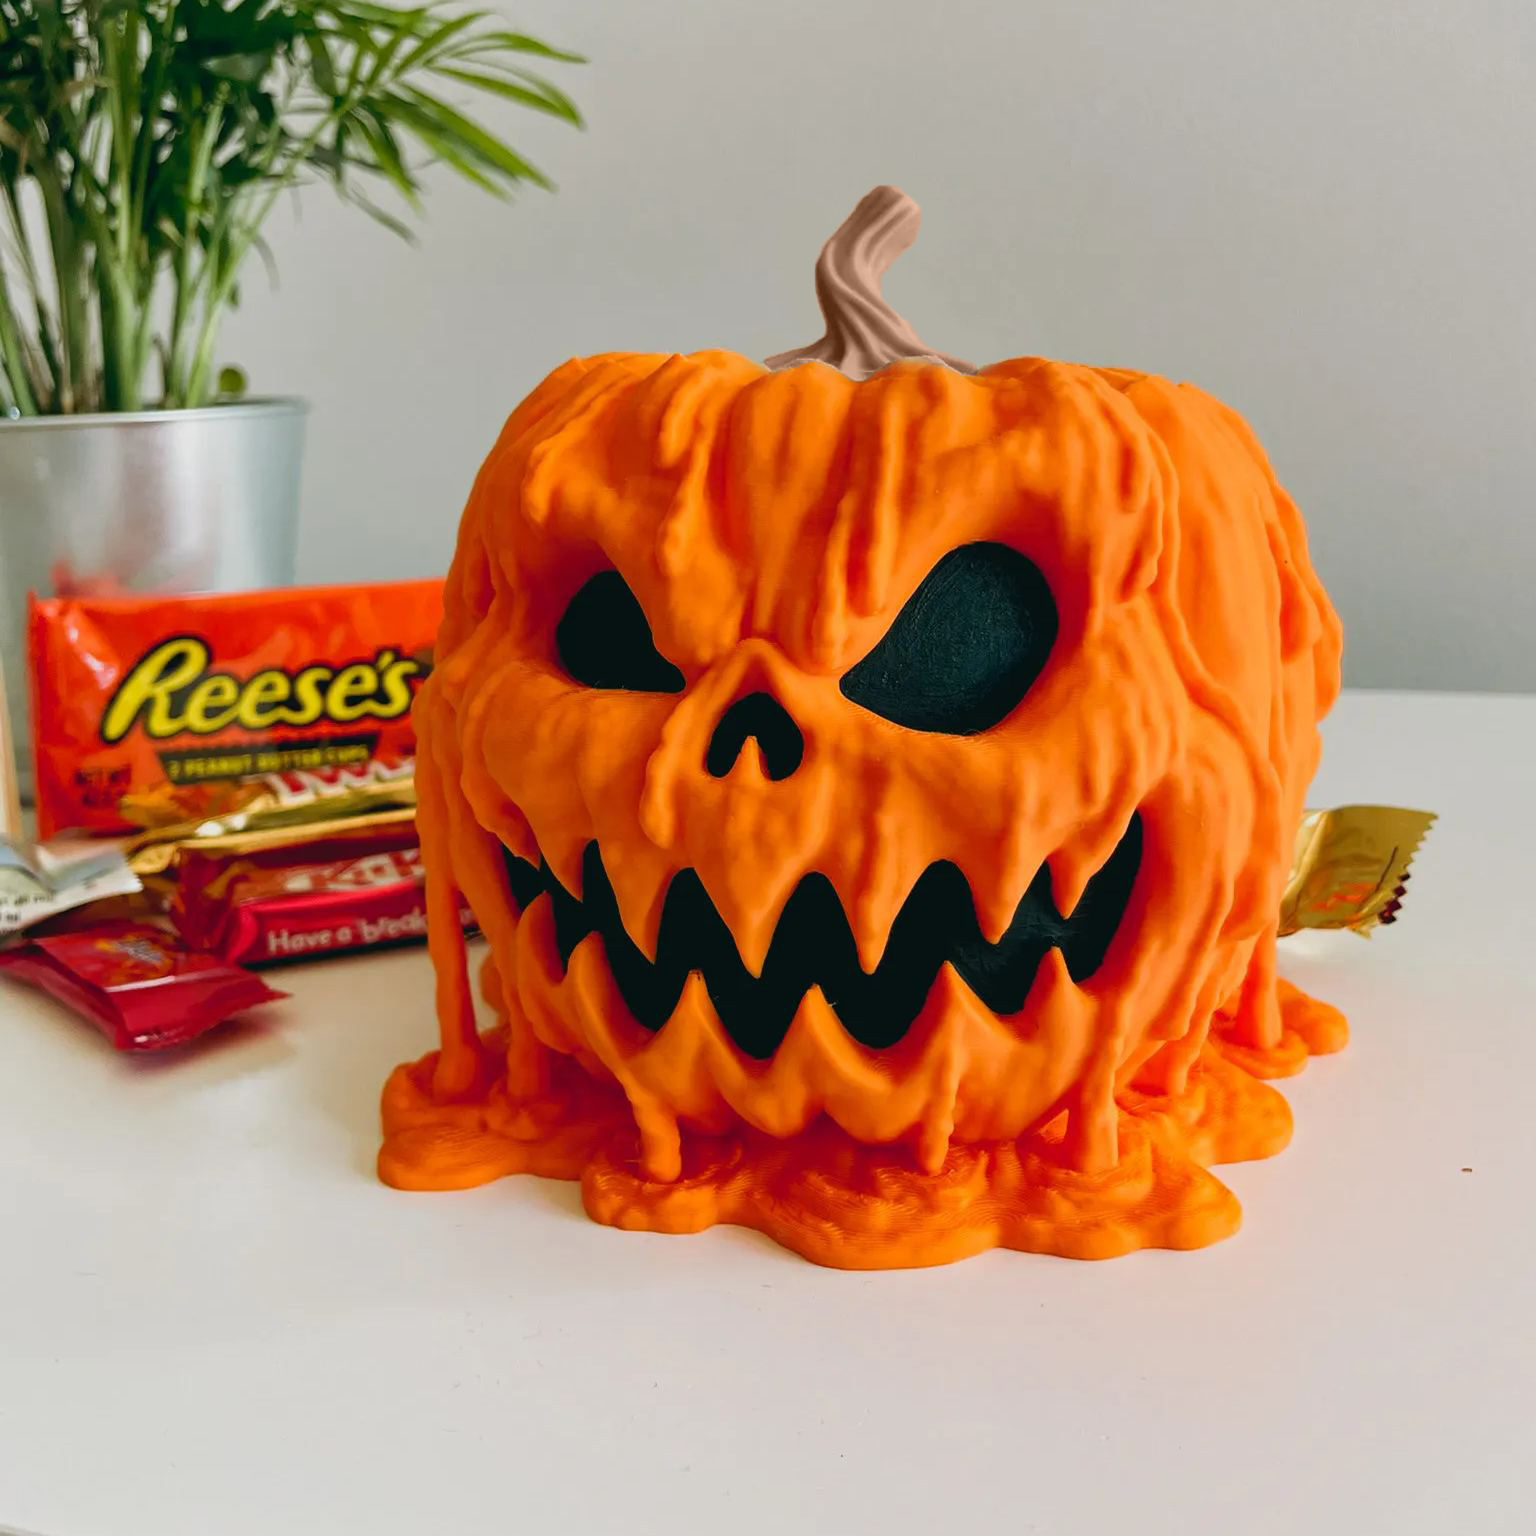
{"x": 357, "y": 889}
{"x": 1351, "y": 867}
{"x": 164, "y": 854}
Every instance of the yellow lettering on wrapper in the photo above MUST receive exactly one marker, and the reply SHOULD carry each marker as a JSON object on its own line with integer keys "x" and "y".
{"x": 309, "y": 696}
{"x": 397, "y": 674}
{"x": 263, "y": 692}
{"x": 148, "y": 688}
{"x": 212, "y": 704}
{"x": 351, "y": 692}
{"x": 171, "y": 691}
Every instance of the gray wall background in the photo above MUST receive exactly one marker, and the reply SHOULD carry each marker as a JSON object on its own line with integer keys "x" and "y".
{"x": 1322, "y": 210}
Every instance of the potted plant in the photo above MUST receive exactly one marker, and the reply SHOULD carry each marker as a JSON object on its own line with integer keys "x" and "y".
{"x": 143, "y": 144}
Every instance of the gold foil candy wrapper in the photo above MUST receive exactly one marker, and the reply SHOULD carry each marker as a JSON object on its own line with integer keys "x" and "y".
{"x": 269, "y": 826}
{"x": 167, "y": 809}
{"x": 1350, "y": 867}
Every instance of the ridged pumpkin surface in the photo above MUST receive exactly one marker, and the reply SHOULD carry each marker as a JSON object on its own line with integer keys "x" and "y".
{"x": 771, "y": 526}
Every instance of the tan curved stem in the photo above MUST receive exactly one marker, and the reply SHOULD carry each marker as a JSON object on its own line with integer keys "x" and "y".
{"x": 863, "y": 332}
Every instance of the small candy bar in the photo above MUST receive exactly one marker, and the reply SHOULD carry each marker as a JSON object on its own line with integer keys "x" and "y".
{"x": 347, "y": 889}
{"x": 136, "y": 984}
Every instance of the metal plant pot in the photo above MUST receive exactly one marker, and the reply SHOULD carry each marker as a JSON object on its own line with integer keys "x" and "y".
{"x": 143, "y": 501}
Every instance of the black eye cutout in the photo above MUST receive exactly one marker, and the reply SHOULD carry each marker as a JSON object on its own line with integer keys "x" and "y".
{"x": 604, "y": 640}
{"x": 965, "y": 649}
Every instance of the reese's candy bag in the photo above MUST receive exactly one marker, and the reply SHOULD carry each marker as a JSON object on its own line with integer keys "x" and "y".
{"x": 168, "y": 701}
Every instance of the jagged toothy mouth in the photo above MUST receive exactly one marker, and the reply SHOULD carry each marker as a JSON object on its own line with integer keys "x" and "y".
{"x": 813, "y": 946}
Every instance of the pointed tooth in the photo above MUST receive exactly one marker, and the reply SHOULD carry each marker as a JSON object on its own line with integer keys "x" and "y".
{"x": 696, "y": 1010}
{"x": 873, "y": 881}
{"x": 996, "y": 895}
{"x": 510, "y": 826}
{"x": 704, "y": 1062}
{"x": 871, "y": 914}
{"x": 798, "y": 1068}
{"x": 1074, "y": 865}
{"x": 1052, "y": 981}
{"x": 821, "y": 1068}
{"x": 564, "y": 859}
{"x": 999, "y": 878}
{"x": 750, "y": 910}
{"x": 753, "y": 929}
{"x": 536, "y": 975}
{"x": 590, "y": 991}
{"x": 520, "y": 843}
{"x": 995, "y": 908}
{"x": 816, "y": 1021}
{"x": 640, "y": 886}
{"x": 1071, "y": 870}
{"x": 533, "y": 944}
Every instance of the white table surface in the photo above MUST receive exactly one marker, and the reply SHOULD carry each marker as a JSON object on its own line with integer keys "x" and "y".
{"x": 213, "y": 1322}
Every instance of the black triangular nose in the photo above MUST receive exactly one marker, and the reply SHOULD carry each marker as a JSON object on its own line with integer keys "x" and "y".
{"x": 760, "y": 715}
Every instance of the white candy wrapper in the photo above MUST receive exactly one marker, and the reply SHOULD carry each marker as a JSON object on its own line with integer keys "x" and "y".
{"x": 38, "y": 882}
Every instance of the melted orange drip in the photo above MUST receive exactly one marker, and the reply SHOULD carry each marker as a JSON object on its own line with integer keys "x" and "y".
{"x": 846, "y": 1203}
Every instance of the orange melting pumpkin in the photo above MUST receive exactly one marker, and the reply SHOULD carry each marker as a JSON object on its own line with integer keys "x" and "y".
{"x": 875, "y": 780}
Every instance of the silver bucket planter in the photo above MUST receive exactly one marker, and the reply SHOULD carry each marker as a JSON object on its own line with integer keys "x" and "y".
{"x": 142, "y": 502}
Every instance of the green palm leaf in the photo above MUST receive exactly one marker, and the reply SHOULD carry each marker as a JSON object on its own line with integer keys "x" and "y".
{"x": 155, "y": 136}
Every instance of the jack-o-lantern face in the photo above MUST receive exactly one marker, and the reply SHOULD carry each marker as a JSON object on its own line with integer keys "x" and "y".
{"x": 956, "y": 661}
{"x": 916, "y": 755}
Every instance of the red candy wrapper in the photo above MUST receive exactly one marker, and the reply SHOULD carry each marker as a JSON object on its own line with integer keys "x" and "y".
{"x": 144, "y": 698}
{"x": 339, "y": 893}
{"x": 136, "y": 984}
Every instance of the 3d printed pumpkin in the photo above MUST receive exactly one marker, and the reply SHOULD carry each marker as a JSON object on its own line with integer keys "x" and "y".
{"x": 875, "y": 780}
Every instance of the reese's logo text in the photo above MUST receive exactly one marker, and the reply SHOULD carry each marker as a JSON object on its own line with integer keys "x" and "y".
{"x": 175, "y": 691}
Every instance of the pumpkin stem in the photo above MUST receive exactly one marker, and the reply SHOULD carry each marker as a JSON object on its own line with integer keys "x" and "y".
{"x": 863, "y": 332}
